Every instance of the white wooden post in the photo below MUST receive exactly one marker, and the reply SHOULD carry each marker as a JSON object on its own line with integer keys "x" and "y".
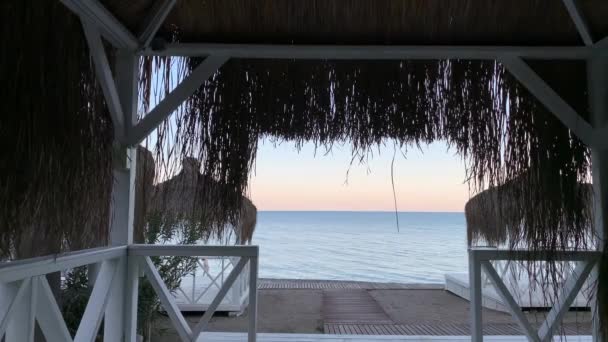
{"x": 598, "y": 97}
{"x": 475, "y": 301}
{"x": 253, "y": 299}
{"x": 121, "y": 311}
{"x": 21, "y": 327}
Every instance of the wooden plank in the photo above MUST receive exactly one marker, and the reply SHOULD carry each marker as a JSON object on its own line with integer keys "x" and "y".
{"x": 166, "y": 299}
{"x": 18, "y": 270}
{"x": 93, "y": 313}
{"x": 48, "y": 314}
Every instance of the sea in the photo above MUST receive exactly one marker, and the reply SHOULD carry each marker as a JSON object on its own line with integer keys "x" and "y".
{"x": 361, "y": 246}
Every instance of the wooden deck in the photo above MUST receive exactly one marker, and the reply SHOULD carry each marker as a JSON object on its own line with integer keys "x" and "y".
{"x": 440, "y": 329}
{"x": 294, "y": 284}
{"x": 352, "y": 307}
{"x": 242, "y": 337}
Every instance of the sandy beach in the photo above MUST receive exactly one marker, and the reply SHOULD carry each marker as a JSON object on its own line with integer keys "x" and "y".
{"x": 423, "y": 309}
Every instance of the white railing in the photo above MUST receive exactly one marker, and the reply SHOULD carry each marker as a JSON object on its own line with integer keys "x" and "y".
{"x": 481, "y": 258}
{"x": 26, "y": 297}
{"x": 247, "y": 255}
{"x": 198, "y": 289}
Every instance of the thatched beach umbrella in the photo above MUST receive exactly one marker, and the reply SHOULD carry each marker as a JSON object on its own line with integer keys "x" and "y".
{"x": 180, "y": 200}
{"x": 495, "y": 217}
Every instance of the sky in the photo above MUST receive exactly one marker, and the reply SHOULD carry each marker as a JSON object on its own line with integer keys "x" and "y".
{"x": 431, "y": 179}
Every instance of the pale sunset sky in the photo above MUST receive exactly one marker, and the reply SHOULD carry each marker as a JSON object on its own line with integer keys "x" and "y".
{"x": 428, "y": 180}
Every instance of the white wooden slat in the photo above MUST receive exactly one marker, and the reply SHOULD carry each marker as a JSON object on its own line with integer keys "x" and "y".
{"x": 512, "y": 305}
{"x": 253, "y": 300}
{"x": 111, "y": 28}
{"x": 487, "y": 254}
{"x": 571, "y": 288}
{"x": 17, "y": 270}
{"x": 579, "y": 20}
{"x": 131, "y": 294}
{"x": 11, "y": 296}
{"x": 93, "y": 313}
{"x": 155, "y": 21}
{"x": 475, "y": 297}
{"x": 192, "y": 250}
{"x": 204, "y": 321}
{"x": 167, "y": 300}
{"x": 103, "y": 73}
{"x": 49, "y": 315}
{"x": 550, "y": 99}
{"x": 114, "y": 319}
{"x": 369, "y": 52}
{"x": 175, "y": 98}
{"x": 21, "y": 327}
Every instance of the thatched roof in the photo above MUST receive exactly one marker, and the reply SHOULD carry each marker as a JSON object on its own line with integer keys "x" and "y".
{"x": 451, "y": 22}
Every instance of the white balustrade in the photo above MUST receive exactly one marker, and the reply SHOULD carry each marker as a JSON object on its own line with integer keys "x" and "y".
{"x": 480, "y": 262}
{"x": 26, "y": 297}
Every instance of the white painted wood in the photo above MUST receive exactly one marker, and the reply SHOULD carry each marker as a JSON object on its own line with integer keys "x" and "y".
{"x": 548, "y": 97}
{"x": 488, "y": 254}
{"x": 103, "y": 73}
{"x": 48, "y": 314}
{"x": 253, "y": 299}
{"x": 275, "y": 337}
{"x": 371, "y": 52}
{"x": 175, "y": 98}
{"x": 166, "y": 299}
{"x": 192, "y": 250}
{"x": 126, "y": 77}
{"x": 17, "y": 270}
{"x": 514, "y": 309}
{"x": 114, "y": 317}
{"x": 204, "y": 321}
{"x": 597, "y": 78}
{"x": 571, "y": 288}
{"x": 21, "y": 326}
{"x": 93, "y": 313}
{"x": 111, "y": 28}
{"x": 155, "y": 21}
{"x": 131, "y": 297}
{"x": 121, "y": 232}
{"x": 476, "y": 297}
{"x": 579, "y": 20}
{"x": 11, "y": 297}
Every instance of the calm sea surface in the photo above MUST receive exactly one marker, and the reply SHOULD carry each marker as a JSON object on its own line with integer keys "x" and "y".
{"x": 363, "y": 246}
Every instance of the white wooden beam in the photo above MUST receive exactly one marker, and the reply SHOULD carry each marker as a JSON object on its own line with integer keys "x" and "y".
{"x": 475, "y": 296}
{"x": 131, "y": 294}
{"x": 579, "y": 20}
{"x": 204, "y": 321}
{"x": 175, "y": 98}
{"x": 571, "y": 288}
{"x": 114, "y": 316}
{"x": 93, "y": 313}
{"x": 253, "y": 299}
{"x": 371, "y": 52}
{"x": 94, "y": 12}
{"x": 11, "y": 296}
{"x": 18, "y": 270}
{"x": 158, "y": 16}
{"x": 49, "y": 316}
{"x": 192, "y": 250}
{"x": 597, "y": 78}
{"x": 167, "y": 300}
{"x": 103, "y": 74}
{"x": 512, "y": 305}
{"x": 548, "y": 97}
